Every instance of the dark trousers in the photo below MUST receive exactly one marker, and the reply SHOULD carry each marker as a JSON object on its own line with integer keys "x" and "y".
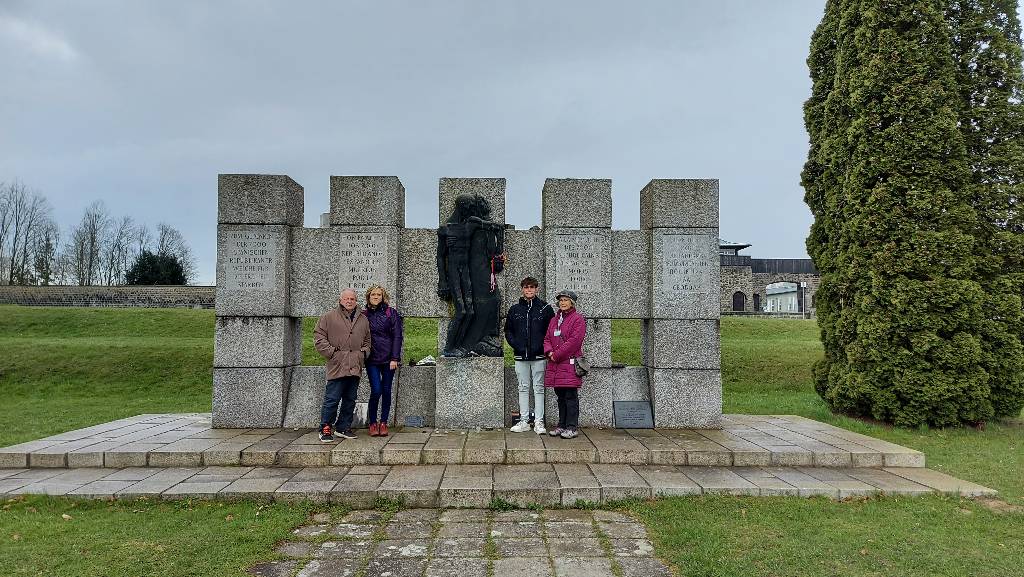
{"x": 381, "y": 377}
{"x": 343, "y": 390}
{"x": 568, "y": 407}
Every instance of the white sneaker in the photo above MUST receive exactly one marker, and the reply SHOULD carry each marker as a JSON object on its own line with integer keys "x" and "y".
{"x": 539, "y": 428}
{"x": 520, "y": 427}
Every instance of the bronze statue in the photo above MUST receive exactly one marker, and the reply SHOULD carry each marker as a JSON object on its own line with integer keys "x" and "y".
{"x": 470, "y": 253}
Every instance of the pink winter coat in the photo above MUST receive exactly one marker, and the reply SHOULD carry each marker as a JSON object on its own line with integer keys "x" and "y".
{"x": 560, "y": 372}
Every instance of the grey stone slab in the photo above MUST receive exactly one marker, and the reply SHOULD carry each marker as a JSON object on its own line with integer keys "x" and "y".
{"x": 295, "y": 455}
{"x": 363, "y": 450}
{"x": 520, "y": 515}
{"x": 4, "y": 473}
{"x": 457, "y": 567}
{"x": 159, "y": 482}
{"x": 533, "y": 566}
{"x": 468, "y": 529}
{"x": 524, "y": 256}
{"x": 619, "y": 530}
{"x": 679, "y": 203}
{"x": 559, "y": 531}
{"x": 631, "y": 547}
{"x": 569, "y": 515}
{"x": 643, "y": 567}
{"x": 525, "y": 448}
{"x": 806, "y": 485}
{"x": 402, "y": 548}
{"x": 357, "y": 491}
{"x": 274, "y": 568}
{"x": 259, "y": 199}
{"x": 250, "y": 397}
{"x": 253, "y": 342}
{"x": 581, "y": 567}
{"x": 597, "y": 347}
{"x": 686, "y": 273}
{"x": 469, "y": 392}
{"x": 415, "y": 485}
{"x": 296, "y": 549}
{"x": 418, "y": 514}
{"x": 230, "y": 452}
{"x": 941, "y": 482}
{"x": 559, "y": 450}
{"x": 579, "y": 259}
{"x": 484, "y": 447}
{"x": 13, "y": 459}
{"x": 627, "y": 451}
{"x": 417, "y": 274}
{"x": 720, "y": 480}
{"x": 314, "y": 281}
{"x": 465, "y": 486}
{"x": 45, "y": 488}
{"x": 252, "y": 270}
{"x": 414, "y": 394}
{"x": 367, "y": 201}
{"x": 631, "y": 273}
{"x": 395, "y": 567}
{"x": 560, "y": 195}
{"x": 889, "y": 483}
{"x": 194, "y": 490}
{"x": 510, "y": 547}
{"x": 455, "y": 547}
{"x": 492, "y": 189}
{"x": 101, "y": 489}
{"x": 667, "y": 481}
{"x": 846, "y": 485}
{"x": 183, "y": 453}
{"x": 526, "y": 485}
{"x": 310, "y": 531}
{"x": 306, "y": 389}
{"x": 401, "y": 454}
{"x": 464, "y": 516}
{"x": 517, "y": 530}
{"x": 686, "y": 399}
{"x": 263, "y": 488}
{"x": 130, "y": 455}
{"x": 400, "y": 529}
{"x": 34, "y": 475}
{"x": 368, "y": 255}
{"x": 331, "y": 567}
{"x": 444, "y": 448}
{"x": 767, "y": 483}
{"x": 620, "y": 482}
{"x": 682, "y": 344}
{"x": 316, "y": 491}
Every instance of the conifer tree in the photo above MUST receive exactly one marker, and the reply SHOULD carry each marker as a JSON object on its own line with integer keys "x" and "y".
{"x": 986, "y": 48}
{"x": 903, "y": 312}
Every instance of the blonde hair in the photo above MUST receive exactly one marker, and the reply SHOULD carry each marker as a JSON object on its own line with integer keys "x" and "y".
{"x": 383, "y": 291}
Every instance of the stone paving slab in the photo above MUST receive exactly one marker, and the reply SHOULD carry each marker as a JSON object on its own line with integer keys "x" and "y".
{"x": 188, "y": 440}
{"x": 475, "y": 486}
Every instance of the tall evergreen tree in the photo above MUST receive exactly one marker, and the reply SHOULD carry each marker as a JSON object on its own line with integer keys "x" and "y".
{"x": 986, "y": 49}
{"x": 903, "y": 313}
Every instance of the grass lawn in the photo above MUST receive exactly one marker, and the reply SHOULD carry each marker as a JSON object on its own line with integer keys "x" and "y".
{"x": 63, "y": 369}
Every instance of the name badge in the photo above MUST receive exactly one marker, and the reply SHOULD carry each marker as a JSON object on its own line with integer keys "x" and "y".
{"x": 558, "y": 332}
{"x": 572, "y": 361}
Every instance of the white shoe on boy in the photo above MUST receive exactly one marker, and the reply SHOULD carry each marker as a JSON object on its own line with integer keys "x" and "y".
{"x": 539, "y": 428}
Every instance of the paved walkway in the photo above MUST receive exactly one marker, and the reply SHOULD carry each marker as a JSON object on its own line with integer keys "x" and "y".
{"x": 477, "y": 485}
{"x": 187, "y": 440}
{"x": 469, "y": 543}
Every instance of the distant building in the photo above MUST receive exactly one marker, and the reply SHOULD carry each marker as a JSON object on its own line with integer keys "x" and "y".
{"x": 746, "y": 281}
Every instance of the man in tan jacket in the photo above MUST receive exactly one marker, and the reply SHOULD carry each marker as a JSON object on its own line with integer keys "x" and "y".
{"x": 342, "y": 336}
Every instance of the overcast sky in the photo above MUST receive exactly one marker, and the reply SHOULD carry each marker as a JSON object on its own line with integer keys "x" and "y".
{"x": 142, "y": 103}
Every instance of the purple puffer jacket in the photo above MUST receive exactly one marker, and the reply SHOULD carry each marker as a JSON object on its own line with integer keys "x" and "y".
{"x": 560, "y": 372}
{"x": 385, "y": 334}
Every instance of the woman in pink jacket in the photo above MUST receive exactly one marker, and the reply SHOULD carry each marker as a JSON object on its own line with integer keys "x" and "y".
{"x": 563, "y": 343}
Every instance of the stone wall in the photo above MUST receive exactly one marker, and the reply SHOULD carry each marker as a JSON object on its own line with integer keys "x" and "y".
{"x": 737, "y": 279}
{"x": 198, "y": 297}
{"x": 271, "y": 272}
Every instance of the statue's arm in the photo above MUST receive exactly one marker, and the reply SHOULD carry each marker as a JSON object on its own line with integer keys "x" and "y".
{"x": 443, "y": 291}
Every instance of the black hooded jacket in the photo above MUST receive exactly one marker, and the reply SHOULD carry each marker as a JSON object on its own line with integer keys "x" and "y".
{"x": 525, "y": 326}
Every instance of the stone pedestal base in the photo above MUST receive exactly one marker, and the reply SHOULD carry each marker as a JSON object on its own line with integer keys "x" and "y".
{"x": 685, "y": 399}
{"x": 469, "y": 393}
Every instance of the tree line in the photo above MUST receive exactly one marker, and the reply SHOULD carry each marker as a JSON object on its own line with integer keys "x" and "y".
{"x": 102, "y": 249}
{"x": 914, "y": 177}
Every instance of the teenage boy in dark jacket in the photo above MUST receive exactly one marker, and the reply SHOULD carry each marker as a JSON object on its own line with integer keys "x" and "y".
{"x": 525, "y": 326}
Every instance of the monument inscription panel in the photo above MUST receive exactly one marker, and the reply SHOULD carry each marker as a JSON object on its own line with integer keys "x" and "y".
{"x": 686, "y": 268}
{"x": 363, "y": 260}
{"x": 250, "y": 261}
{"x": 579, "y": 262}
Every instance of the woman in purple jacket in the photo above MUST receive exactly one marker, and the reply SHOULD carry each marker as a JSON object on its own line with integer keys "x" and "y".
{"x": 385, "y": 354}
{"x": 563, "y": 343}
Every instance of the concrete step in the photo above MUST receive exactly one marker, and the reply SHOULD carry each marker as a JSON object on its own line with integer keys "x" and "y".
{"x": 476, "y": 486}
{"x": 188, "y": 440}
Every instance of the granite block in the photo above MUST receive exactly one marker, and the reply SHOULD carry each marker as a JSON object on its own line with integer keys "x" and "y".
{"x": 580, "y": 260}
{"x": 562, "y": 197}
{"x": 597, "y": 346}
{"x": 367, "y": 201}
{"x": 469, "y": 392}
{"x": 686, "y": 399}
{"x": 257, "y": 342}
{"x": 679, "y": 203}
{"x": 524, "y": 256}
{"x": 595, "y": 398}
{"x": 415, "y": 485}
{"x": 414, "y": 394}
{"x": 250, "y": 397}
{"x": 631, "y": 274}
{"x": 492, "y": 189}
{"x": 259, "y": 199}
{"x": 685, "y": 275}
{"x": 417, "y": 274}
{"x": 314, "y": 281}
{"x": 629, "y": 384}
{"x": 682, "y": 344}
{"x": 252, "y": 270}
{"x": 368, "y": 255}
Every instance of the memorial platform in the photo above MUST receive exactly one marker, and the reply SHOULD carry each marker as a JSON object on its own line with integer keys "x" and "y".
{"x": 189, "y": 440}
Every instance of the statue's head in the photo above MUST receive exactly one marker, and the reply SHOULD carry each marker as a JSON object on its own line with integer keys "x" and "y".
{"x": 464, "y": 205}
{"x": 483, "y": 208}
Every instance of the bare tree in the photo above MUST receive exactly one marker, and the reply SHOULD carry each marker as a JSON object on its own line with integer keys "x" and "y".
{"x": 117, "y": 251}
{"x": 5, "y": 227}
{"x": 26, "y": 210}
{"x": 87, "y": 242}
{"x": 171, "y": 242}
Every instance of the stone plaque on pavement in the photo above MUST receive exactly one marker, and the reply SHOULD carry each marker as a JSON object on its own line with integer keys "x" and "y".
{"x": 250, "y": 260}
{"x": 633, "y": 415}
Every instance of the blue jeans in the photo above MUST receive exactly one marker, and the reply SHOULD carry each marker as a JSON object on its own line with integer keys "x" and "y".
{"x": 343, "y": 390}
{"x": 381, "y": 377}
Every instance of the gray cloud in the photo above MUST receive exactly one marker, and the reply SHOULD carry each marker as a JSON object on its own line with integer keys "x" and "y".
{"x": 141, "y": 104}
